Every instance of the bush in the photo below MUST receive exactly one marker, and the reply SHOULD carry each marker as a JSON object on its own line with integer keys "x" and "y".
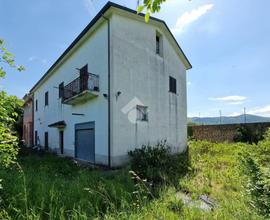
{"x": 256, "y": 160}
{"x": 248, "y": 135}
{"x": 157, "y": 164}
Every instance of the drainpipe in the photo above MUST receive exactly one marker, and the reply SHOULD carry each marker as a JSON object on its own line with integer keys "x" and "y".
{"x": 109, "y": 92}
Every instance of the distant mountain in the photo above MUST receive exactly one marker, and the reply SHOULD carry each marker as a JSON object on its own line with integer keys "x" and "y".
{"x": 229, "y": 120}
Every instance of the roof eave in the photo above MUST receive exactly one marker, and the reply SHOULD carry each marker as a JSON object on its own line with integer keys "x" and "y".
{"x": 91, "y": 24}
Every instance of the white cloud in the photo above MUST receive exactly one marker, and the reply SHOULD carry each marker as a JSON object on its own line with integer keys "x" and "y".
{"x": 232, "y": 100}
{"x": 34, "y": 58}
{"x": 263, "y": 111}
{"x": 90, "y": 7}
{"x": 236, "y": 103}
{"x": 235, "y": 114}
{"x": 189, "y": 17}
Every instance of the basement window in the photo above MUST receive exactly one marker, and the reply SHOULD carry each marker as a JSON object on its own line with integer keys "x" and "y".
{"x": 142, "y": 113}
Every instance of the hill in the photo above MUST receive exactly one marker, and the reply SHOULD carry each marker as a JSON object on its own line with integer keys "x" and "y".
{"x": 229, "y": 119}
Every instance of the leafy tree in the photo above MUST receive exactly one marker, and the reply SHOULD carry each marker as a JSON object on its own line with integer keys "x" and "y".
{"x": 150, "y": 6}
{"x": 8, "y": 59}
{"x": 10, "y": 111}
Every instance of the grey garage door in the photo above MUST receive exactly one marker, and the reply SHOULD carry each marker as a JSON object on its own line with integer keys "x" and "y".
{"x": 85, "y": 141}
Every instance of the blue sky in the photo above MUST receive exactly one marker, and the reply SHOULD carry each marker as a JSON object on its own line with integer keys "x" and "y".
{"x": 227, "y": 43}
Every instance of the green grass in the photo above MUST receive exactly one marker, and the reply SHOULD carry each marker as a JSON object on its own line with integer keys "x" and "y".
{"x": 58, "y": 189}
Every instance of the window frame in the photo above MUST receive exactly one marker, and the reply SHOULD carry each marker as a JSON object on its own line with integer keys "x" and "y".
{"x": 142, "y": 113}
{"x": 36, "y": 105}
{"x": 157, "y": 44}
{"x": 61, "y": 90}
{"x": 36, "y": 137}
{"x": 46, "y": 98}
{"x": 172, "y": 85}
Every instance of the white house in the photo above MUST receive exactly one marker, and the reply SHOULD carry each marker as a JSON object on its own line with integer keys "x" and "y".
{"x": 120, "y": 84}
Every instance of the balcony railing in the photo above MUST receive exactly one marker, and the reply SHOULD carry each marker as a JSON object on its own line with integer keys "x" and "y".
{"x": 86, "y": 82}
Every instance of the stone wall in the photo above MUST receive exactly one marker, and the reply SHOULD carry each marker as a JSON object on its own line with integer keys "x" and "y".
{"x": 222, "y": 133}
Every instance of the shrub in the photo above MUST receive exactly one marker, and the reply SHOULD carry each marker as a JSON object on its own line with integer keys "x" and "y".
{"x": 157, "y": 164}
{"x": 248, "y": 135}
{"x": 256, "y": 161}
{"x": 190, "y": 131}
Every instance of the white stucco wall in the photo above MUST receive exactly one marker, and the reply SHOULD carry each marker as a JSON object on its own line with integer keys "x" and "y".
{"x": 93, "y": 52}
{"x": 137, "y": 71}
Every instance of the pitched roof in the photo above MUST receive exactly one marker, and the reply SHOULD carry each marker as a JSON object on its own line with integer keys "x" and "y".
{"x": 93, "y": 22}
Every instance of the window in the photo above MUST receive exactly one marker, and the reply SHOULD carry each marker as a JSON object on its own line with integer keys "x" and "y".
{"x": 36, "y": 138}
{"x": 46, "y": 140}
{"x": 36, "y": 105}
{"x": 172, "y": 85}
{"x": 157, "y": 44}
{"x": 61, "y": 90}
{"x": 46, "y": 98}
{"x": 142, "y": 113}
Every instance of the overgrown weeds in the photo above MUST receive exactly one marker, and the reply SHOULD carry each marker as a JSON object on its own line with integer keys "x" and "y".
{"x": 158, "y": 164}
{"x": 256, "y": 166}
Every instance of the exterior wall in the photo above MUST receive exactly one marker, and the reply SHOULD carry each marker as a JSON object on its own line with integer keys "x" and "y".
{"x": 224, "y": 133}
{"x": 28, "y": 123}
{"x": 138, "y": 72}
{"x": 93, "y": 51}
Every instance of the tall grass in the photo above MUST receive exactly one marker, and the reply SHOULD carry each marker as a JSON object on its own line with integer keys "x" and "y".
{"x": 56, "y": 188}
{"x": 53, "y": 188}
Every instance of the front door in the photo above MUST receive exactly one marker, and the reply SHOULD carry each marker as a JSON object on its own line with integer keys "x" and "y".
{"x": 61, "y": 141}
{"x": 46, "y": 141}
{"x": 85, "y": 141}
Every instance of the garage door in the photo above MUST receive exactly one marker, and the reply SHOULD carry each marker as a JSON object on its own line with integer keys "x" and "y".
{"x": 85, "y": 141}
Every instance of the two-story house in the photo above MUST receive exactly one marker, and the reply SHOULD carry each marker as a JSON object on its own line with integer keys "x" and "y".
{"x": 120, "y": 84}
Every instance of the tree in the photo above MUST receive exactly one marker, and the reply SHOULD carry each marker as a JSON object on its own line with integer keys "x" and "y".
{"x": 151, "y": 6}
{"x": 10, "y": 110}
{"x": 8, "y": 59}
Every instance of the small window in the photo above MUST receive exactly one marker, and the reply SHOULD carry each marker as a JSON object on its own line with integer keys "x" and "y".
{"x": 36, "y": 138}
{"x": 46, "y": 98}
{"x": 36, "y": 105}
{"x": 172, "y": 85}
{"x": 142, "y": 113}
{"x": 61, "y": 90}
{"x": 157, "y": 44}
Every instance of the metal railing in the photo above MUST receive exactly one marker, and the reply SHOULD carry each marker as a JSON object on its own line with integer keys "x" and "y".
{"x": 84, "y": 82}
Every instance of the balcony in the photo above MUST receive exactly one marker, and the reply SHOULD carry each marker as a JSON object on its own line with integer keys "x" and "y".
{"x": 81, "y": 89}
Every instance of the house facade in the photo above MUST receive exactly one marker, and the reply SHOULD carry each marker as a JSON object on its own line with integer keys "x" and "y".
{"x": 28, "y": 120}
{"x": 120, "y": 84}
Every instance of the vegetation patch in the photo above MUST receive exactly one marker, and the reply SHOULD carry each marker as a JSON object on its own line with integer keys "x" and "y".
{"x": 234, "y": 176}
{"x": 158, "y": 164}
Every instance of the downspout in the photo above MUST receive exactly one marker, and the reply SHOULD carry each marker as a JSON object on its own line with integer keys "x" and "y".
{"x": 109, "y": 91}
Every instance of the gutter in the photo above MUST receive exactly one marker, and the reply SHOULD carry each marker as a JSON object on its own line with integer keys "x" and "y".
{"x": 109, "y": 90}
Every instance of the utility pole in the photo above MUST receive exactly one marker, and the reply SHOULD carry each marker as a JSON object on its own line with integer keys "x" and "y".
{"x": 200, "y": 119}
{"x": 245, "y": 115}
{"x": 138, "y": 3}
{"x": 220, "y": 116}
